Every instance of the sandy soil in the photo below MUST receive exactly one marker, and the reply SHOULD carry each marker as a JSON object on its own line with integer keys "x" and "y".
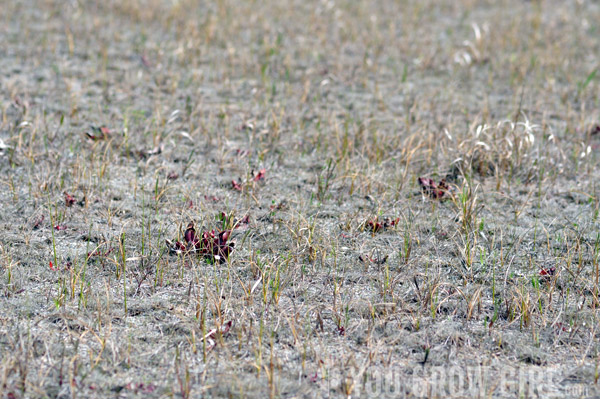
{"x": 303, "y": 129}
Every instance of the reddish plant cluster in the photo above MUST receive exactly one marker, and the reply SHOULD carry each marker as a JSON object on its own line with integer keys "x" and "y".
{"x": 547, "y": 273}
{"x": 278, "y": 207}
{"x": 256, "y": 176}
{"x": 595, "y": 130}
{"x": 375, "y": 225}
{"x": 69, "y": 199}
{"x": 560, "y": 328}
{"x": 212, "y": 245}
{"x": 433, "y": 189}
{"x": 236, "y": 186}
{"x": 260, "y": 175}
{"x": 67, "y": 266}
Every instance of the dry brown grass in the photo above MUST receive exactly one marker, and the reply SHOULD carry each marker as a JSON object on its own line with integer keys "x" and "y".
{"x": 345, "y": 105}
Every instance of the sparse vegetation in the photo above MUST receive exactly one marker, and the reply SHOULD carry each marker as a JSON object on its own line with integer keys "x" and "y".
{"x": 283, "y": 199}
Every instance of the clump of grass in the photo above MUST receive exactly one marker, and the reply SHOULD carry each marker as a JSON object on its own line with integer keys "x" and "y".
{"x": 504, "y": 150}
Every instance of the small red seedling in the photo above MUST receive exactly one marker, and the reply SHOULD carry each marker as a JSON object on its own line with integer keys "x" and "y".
{"x": 374, "y": 226}
{"x": 433, "y": 190}
{"x": 173, "y": 175}
{"x": 282, "y": 205}
{"x": 69, "y": 199}
{"x": 560, "y": 327}
{"x": 236, "y": 186}
{"x": 54, "y": 267}
{"x": 242, "y": 223}
{"x": 60, "y": 227}
{"x": 548, "y": 271}
{"x": 260, "y": 175}
{"x": 595, "y": 130}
